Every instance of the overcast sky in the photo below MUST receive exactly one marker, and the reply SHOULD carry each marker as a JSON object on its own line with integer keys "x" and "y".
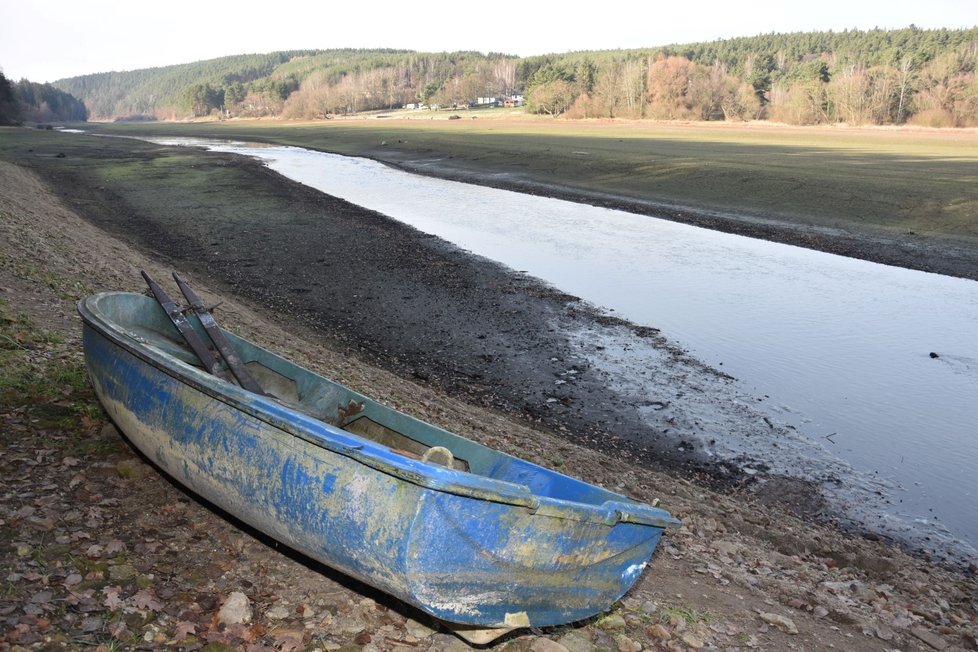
{"x": 51, "y": 39}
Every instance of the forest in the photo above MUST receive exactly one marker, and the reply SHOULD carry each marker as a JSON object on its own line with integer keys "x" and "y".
{"x": 28, "y": 101}
{"x": 880, "y": 77}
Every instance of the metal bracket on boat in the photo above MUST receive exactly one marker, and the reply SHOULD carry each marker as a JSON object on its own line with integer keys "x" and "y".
{"x": 207, "y": 357}
{"x": 217, "y": 337}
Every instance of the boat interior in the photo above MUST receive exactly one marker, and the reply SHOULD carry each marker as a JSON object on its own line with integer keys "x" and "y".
{"x": 322, "y": 399}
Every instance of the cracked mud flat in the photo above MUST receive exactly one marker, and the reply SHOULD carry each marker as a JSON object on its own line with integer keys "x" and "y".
{"x": 735, "y": 558}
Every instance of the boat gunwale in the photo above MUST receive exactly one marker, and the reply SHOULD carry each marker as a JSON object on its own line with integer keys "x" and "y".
{"x": 328, "y": 437}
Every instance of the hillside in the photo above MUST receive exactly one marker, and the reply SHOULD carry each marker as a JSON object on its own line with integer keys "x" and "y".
{"x": 925, "y": 77}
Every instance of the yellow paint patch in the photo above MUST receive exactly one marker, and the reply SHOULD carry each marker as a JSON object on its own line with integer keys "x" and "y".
{"x": 518, "y": 619}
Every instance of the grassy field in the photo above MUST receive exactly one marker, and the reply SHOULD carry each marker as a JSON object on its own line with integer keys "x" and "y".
{"x": 886, "y": 180}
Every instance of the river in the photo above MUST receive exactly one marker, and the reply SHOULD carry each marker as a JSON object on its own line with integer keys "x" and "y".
{"x": 874, "y": 365}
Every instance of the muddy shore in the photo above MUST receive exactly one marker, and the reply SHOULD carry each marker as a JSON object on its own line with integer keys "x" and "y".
{"x": 475, "y": 348}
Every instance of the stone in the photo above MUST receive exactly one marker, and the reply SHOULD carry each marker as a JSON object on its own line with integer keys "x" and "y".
{"x": 783, "y": 623}
{"x": 278, "y": 612}
{"x": 577, "y": 641}
{"x": 542, "y": 644}
{"x": 929, "y": 637}
{"x": 235, "y": 610}
{"x": 727, "y": 548}
{"x": 626, "y": 644}
{"x": 612, "y": 623}
{"x": 659, "y": 631}
{"x": 418, "y": 630}
{"x": 693, "y": 641}
{"x": 448, "y": 643}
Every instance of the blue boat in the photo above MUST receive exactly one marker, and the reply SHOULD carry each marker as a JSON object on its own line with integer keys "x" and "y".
{"x": 479, "y": 539}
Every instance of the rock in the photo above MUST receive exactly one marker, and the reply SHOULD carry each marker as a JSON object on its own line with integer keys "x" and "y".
{"x": 820, "y": 612}
{"x": 884, "y": 633}
{"x": 289, "y": 635}
{"x": 727, "y": 548}
{"x": 448, "y": 643}
{"x": 649, "y": 607}
{"x": 783, "y": 623}
{"x": 659, "y": 631}
{"x": 278, "y": 612}
{"x": 866, "y": 594}
{"x": 612, "y": 623}
{"x": 542, "y": 644}
{"x": 929, "y": 638}
{"x": 626, "y": 644}
{"x": 418, "y": 630}
{"x": 843, "y": 616}
{"x": 693, "y": 641}
{"x": 577, "y": 641}
{"x": 603, "y": 640}
{"x": 236, "y": 609}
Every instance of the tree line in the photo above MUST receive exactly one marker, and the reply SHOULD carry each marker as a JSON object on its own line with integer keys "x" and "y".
{"x": 32, "y": 102}
{"x": 859, "y": 77}
{"x": 925, "y": 77}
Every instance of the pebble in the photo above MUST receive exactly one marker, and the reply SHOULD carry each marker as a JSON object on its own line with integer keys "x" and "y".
{"x": 236, "y": 609}
{"x": 693, "y": 641}
{"x": 626, "y": 644}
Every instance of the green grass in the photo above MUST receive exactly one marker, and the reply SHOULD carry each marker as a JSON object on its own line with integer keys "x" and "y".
{"x": 885, "y": 180}
{"x": 46, "y": 390}
{"x": 688, "y": 614}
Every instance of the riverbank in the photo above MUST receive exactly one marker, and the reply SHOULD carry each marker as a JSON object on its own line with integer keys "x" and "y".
{"x": 101, "y": 548}
{"x": 904, "y": 197}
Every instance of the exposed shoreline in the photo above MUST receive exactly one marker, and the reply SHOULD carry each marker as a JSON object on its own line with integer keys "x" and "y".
{"x": 738, "y": 554}
{"x": 418, "y": 306}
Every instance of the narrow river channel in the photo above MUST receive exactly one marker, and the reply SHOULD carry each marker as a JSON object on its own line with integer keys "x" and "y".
{"x": 873, "y": 365}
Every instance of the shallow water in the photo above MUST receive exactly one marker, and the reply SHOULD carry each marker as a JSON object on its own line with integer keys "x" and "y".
{"x": 842, "y": 349}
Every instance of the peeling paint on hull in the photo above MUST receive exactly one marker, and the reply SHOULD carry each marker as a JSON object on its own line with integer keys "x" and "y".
{"x": 507, "y": 544}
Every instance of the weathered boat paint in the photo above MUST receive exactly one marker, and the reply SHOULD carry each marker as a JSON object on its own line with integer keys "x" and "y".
{"x": 505, "y": 544}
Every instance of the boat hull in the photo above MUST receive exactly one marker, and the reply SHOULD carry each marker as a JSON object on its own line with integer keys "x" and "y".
{"x": 464, "y": 554}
